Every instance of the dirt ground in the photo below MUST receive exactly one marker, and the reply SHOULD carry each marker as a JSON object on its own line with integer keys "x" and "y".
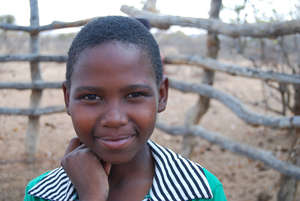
{"x": 243, "y": 179}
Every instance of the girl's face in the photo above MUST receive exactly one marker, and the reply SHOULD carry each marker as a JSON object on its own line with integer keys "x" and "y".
{"x": 113, "y": 100}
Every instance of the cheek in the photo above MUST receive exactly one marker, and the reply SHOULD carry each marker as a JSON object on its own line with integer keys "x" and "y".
{"x": 145, "y": 116}
{"x": 82, "y": 119}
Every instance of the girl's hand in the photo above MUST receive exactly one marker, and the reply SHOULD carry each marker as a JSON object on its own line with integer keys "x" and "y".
{"x": 88, "y": 174}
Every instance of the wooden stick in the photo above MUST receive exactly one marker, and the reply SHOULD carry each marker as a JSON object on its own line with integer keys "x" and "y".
{"x": 257, "y": 30}
{"x": 33, "y": 85}
{"x": 243, "y": 149}
{"x": 33, "y": 57}
{"x": 33, "y": 111}
{"x": 212, "y": 64}
{"x": 236, "y": 106}
{"x": 11, "y": 27}
{"x": 34, "y": 29}
{"x": 36, "y": 94}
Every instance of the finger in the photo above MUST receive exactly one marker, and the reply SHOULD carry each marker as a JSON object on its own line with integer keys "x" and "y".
{"x": 73, "y": 144}
{"x": 72, "y": 150}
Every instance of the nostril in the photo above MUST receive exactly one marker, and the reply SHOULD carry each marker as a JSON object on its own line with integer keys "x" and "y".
{"x": 114, "y": 119}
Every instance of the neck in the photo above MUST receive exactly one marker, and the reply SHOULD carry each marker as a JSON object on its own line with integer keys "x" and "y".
{"x": 141, "y": 166}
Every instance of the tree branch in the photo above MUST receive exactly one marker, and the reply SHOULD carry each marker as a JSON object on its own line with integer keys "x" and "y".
{"x": 11, "y": 27}
{"x": 32, "y": 112}
{"x": 236, "y": 106}
{"x": 52, "y": 26}
{"x": 34, "y": 85}
{"x": 257, "y": 154}
{"x": 258, "y": 30}
{"x": 212, "y": 64}
{"x": 62, "y": 25}
{"x": 33, "y": 57}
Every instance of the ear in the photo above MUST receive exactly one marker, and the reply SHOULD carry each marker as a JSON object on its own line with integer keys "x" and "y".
{"x": 163, "y": 94}
{"x": 66, "y": 96}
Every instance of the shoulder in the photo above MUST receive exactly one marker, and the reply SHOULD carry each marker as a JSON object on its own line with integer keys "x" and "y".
{"x": 54, "y": 185}
{"x": 177, "y": 178}
{"x": 31, "y": 184}
{"x": 215, "y": 185}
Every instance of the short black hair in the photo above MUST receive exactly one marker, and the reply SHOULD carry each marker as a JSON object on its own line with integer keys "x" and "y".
{"x": 145, "y": 22}
{"x": 115, "y": 28}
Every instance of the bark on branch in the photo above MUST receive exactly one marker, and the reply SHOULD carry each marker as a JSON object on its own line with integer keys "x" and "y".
{"x": 11, "y": 27}
{"x": 32, "y": 112}
{"x": 258, "y": 30}
{"x": 36, "y": 94}
{"x": 236, "y": 106}
{"x": 257, "y": 154}
{"x": 34, "y": 85}
{"x": 33, "y": 57}
{"x": 212, "y": 64}
{"x": 62, "y": 25}
{"x": 52, "y": 26}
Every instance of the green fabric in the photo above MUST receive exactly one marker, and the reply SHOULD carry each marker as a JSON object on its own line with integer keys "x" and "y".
{"x": 215, "y": 185}
{"x": 33, "y": 182}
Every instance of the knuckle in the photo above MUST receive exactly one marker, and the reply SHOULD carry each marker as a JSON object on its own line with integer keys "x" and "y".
{"x": 74, "y": 140}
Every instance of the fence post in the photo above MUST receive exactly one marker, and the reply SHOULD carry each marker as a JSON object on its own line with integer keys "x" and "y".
{"x": 288, "y": 185}
{"x": 196, "y": 112}
{"x": 33, "y": 121}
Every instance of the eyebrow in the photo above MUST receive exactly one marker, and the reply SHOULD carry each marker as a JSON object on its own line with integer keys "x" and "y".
{"x": 100, "y": 89}
{"x": 138, "y": 86}
{"x": 89, "y": 88}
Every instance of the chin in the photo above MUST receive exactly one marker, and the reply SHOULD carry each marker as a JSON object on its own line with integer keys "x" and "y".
{"x": 118, "y": 159}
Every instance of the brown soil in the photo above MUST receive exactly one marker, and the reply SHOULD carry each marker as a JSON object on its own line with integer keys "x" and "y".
{"x": 243, "y": 179}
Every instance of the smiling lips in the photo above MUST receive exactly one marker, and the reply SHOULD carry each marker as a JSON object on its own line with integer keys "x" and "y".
{"x": 119, "y": 142}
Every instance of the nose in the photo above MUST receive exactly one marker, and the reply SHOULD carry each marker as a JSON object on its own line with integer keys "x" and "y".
{"x": 114, "y": 117}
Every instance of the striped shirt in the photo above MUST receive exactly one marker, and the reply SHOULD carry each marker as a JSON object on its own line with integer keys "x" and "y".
{"x": 175, "y": 179}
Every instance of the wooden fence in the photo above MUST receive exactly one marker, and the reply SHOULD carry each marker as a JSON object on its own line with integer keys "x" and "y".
{"x": 212, "y": 25}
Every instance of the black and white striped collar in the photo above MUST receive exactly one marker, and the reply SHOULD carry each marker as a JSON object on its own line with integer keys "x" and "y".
{"x": 56, "y": 186}
{"x": 176, "y": 179}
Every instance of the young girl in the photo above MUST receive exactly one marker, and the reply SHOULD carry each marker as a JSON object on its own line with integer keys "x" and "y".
{"x": 113, "y": 91}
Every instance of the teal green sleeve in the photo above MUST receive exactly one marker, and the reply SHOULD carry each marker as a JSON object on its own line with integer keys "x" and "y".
{"x": 215, "y": 186}
{"x": 28, "y": 197}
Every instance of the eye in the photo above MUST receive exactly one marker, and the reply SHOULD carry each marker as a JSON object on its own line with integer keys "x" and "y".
{"x": 90, "y": 97}
{"x": 136, "y": 95}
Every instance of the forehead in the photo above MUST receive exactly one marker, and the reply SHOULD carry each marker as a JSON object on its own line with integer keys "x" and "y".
{"x": 116, "y": 51}
{"x": 113, "y": 60}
